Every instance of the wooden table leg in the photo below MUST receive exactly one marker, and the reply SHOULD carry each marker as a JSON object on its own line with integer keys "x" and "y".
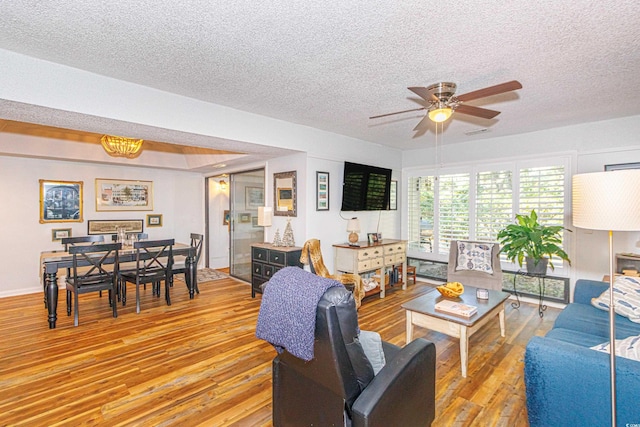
{"x": 51, "y": 280}
{"x": 409, "y": 337}
{"x": 502, "y": 324}
{"x": 464, "y": 350}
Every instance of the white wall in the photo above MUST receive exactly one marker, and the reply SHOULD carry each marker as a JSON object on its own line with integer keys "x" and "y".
{"x": 595, "y": 144}
{"x": 178, "y": 196}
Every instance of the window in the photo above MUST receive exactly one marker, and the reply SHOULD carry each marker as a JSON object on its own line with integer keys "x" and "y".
{"x": 478, "y": 202}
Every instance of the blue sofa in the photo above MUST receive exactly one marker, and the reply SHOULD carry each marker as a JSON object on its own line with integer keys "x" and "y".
{"x": 567, "y": 383}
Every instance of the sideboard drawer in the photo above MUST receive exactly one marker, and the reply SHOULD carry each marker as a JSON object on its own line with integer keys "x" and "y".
{"x": 276, "y": 258}
{"x": 259, "y": 254}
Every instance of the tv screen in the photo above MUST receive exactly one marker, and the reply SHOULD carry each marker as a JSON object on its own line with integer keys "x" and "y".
{"x": 365, "y": 188}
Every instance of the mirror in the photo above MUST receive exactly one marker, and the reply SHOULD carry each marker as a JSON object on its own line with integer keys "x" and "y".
{"x": 284, "y": 189}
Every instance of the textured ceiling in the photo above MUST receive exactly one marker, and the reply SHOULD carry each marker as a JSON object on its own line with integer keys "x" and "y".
{"x": 332, "y": 64}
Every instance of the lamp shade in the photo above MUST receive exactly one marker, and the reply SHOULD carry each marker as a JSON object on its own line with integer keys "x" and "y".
{"x": 440, "y": 114}
{"x": 607, "y": 200}
{"x": 264, "y": 216}
{"x": 353, "y": 225}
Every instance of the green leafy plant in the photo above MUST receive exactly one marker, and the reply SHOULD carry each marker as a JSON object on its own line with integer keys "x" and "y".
{"x": 527, "y": 238}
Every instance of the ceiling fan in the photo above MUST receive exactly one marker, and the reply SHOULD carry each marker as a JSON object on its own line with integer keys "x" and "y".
{"x": 442, "y": 101}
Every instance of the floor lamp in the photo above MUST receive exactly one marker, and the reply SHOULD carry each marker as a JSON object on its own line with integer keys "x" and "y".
{"x": 608, "y": 201}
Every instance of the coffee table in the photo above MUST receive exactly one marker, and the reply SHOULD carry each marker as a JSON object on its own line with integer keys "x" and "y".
{"x": 421, "y": 312}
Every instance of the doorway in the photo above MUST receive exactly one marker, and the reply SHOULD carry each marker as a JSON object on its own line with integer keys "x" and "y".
{"x": 233, "y": 219}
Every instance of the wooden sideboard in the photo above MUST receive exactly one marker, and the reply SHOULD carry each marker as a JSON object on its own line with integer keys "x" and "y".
{"x": 266, "y": 259}
{"x": 380, "y": 259}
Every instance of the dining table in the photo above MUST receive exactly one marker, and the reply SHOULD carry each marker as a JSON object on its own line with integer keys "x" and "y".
{"x": 52, "y": 261}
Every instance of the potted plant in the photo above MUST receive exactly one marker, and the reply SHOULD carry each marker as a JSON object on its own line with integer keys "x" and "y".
{"x": 531, "y": 240}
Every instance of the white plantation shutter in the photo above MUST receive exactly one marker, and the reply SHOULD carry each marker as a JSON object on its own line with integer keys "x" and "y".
{"x": 413, "y": 201}
{"x": 453, "y": 212}
{"x": 494, "y": 203}
{"x": 480, "y": 202}
{"x": 542, "y": 189}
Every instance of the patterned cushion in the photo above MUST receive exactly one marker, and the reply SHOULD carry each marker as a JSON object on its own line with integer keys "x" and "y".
{"x": 628, "y": 347}
{"x": 626, "y": 296}
{"x": 475, "y": 256}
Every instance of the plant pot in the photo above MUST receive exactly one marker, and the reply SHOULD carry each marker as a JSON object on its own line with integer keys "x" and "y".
{"x": 540, "y": 268}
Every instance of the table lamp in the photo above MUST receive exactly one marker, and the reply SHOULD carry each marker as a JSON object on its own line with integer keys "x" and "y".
{"x": 353, "y": 227}
{"x": 264, "y": 216}
{"x": 608, "y": 201}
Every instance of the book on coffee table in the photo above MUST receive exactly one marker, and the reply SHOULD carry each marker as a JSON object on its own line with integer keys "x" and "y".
{"x": 457, "y": 308}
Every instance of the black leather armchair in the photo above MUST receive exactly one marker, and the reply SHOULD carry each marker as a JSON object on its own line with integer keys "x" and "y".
{"x": 338, "y": 387}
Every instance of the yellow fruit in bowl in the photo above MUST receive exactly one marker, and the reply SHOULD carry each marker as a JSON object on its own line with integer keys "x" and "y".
{"x": 451, "y": 289}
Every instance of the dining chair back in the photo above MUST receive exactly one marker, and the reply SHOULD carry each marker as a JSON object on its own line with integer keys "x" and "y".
{"x": 89, "y": 273}
{"x": 154, "y": 263}
{"x": 180, "y": 265}
{"x": 68, "y": 242}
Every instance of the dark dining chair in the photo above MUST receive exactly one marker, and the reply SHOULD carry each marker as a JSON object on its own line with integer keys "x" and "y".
{"x": 68, "y": 242}
{"x": 154, "y": 262}
{"x": 88, "y": 274}
{"x": 180, "y": 265}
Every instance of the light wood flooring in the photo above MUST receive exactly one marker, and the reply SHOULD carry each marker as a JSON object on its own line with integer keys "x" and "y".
{"x": 197, "y": 362}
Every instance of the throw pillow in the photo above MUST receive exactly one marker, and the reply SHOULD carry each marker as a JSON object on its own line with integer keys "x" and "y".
{"x": 626, "y": 297}
{"x": 372, "y": 346}
{"x": 475, "y": 256}
{"x": 628, "y": 348}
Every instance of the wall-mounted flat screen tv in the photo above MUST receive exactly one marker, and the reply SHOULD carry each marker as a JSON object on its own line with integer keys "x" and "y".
{"x": 365, "y": 188}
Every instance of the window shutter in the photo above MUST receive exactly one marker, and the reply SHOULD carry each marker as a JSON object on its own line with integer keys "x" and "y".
{"x": 494, "y": 203}
{"x": 453, "y": 215}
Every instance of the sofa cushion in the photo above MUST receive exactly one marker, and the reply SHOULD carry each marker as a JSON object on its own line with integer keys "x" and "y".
{"x": 628, "y": 347}
{"x": 626, "y": 295}
{"x": 582, "y": 339}
{"x": 590, "y": 320}
{"x": 474, "y": 256}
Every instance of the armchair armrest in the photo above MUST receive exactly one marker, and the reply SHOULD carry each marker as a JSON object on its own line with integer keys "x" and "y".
{"x": 567, "y": 384}
{"x": 403, "y": 392}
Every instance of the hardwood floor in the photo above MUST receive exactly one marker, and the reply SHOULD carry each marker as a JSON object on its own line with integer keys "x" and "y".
{"x": 197, "y": 362}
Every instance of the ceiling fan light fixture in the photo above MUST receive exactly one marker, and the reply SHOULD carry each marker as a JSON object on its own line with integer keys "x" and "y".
{"x": 118, "y": 146}
{"x": 440, "y": 114}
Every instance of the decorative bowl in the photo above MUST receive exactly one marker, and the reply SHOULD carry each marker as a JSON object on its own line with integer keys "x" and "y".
{"x": 451, "y": 289}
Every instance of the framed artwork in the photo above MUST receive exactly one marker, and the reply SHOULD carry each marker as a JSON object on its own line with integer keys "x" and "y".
{"x": 253, "y": 197}
{"x": 122, "y": 195}
{"x": 58, "y": 234}
{"x": 621, "y": 166}
{"x": 111, "y": 226}
{"x": 154, "y": 220}
{"x": 60, "y": 201}
{"x": 226, "y": 217}
{"x": 284, "y": 189}
{"x": 372, "y": 238}
{"x": 393, "y": 196}
{"x": 322, "y": 191}
{"x": 254, "y": 221}
{"x": 245, "y": 217}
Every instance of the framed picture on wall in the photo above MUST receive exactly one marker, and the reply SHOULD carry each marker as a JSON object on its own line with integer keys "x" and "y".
{"x": 123, "y": 195}
{"x": 60, "y": 201}
{"x": 58, "y": 234}
{"x": 154, "y": 220}
{"x": 322, "y": 191}
{"x": 622, "y": 166}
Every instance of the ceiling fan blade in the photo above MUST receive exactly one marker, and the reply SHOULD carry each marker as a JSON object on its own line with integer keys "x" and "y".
{"x": 491, "y": 90}
{"x": 423, "y": 93}
{"x": 397, "y": 112}
{"x": 422, "y": 123}
{"x": 470, "y": 110}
